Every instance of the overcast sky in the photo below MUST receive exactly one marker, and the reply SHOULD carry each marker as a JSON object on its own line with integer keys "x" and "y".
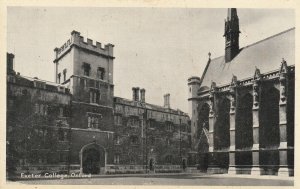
{"x": 155, "y": 48}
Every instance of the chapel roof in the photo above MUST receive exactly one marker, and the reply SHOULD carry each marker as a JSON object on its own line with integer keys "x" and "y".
{"x": 266, "y": 55}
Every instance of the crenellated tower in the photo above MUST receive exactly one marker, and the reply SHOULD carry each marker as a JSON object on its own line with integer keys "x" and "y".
{"x": 87, "y": 70}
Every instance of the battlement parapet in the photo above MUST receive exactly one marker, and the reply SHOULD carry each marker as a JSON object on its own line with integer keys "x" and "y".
{"x": 77, "y": 40}
{"x": 37, "y": 84}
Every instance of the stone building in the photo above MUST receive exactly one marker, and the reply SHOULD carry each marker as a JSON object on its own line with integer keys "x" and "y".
{"x": 149, "y": 136}
{"x": 75, "y": 124}
{"x": 38, "y": 124}
{"x": 242, "y": 107}
{"x": 86, "y": 69}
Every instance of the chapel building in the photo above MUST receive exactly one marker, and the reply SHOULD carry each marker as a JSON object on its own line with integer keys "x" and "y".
{"x": 242, "y": 106}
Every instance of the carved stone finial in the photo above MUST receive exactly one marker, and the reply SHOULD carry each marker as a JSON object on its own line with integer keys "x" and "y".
{"x": 257, "y": 74}
{"x": 233, "y": 80}
{"x": 209, "y": 54}
{"x": 283, "y": 67}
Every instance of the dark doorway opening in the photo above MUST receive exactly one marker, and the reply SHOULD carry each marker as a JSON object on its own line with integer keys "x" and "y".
{"x": 151, "y": 164}
{"x": 91, "y": 161}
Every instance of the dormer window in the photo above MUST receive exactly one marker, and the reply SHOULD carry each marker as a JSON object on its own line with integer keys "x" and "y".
{"x": 86, "y": 69}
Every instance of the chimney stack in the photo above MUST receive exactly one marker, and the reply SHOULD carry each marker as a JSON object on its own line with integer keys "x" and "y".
{"x": 10, "y": 62}
{"x": 135, "y": 93}
{"x": 143, "y": 91}
{"x": 167, "y": 100}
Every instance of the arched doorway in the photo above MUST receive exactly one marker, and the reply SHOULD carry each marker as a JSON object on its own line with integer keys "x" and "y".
{"x": 92, "y": 159}
{"x": 184, "y": 164}
{"x": 151, "y": 164}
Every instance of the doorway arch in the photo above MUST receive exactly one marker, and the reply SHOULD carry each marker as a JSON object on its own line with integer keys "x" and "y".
{"x": 151, "y": 164}
{"x": 92, "y": 159}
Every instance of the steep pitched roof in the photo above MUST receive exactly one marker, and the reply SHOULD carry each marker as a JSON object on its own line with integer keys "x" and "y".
{"x": 266, "y": 55}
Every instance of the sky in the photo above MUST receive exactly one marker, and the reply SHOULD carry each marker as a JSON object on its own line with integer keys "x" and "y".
{"x": 155, "y": 48}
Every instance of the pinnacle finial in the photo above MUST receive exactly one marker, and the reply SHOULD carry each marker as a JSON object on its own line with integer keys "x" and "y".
{"x": 209, "y": 54}
{"x": 231, "y": 13}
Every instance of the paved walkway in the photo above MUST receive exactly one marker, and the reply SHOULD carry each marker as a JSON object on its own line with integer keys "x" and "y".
{"x": 182, "y": 179}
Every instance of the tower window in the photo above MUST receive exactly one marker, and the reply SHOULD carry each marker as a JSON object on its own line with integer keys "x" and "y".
{"x": 93, "y": 122}
{"x": 86, "y": 69}
{"x": 94, "y": 96}
{"x": 65, "y": 74}
{"x": 100, "y": 73}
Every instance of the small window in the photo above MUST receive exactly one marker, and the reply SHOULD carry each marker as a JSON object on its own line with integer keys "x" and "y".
{"x": 169, "y": 159}
{"x": 118, "y": 120}
{"x": 61, "y": 135}
{"x": 117, "y": 159}
{"x": 134, "y": 140}
{"x": 100, "y": 73}
{"x": 152, "y": 140}
{"x": 168, "y": 142}
{"x": 94, "y": 96}
{"x": 151, "y": 124}
{"x": 61, "y": 111}
{"x": 169, "y": 126}
{"x": 117, "y": 140}
{"x": 86, "y": 69}
{"x": 41, "y": 109}
{"x": 36, "y": 108}
{"x": 93, "y": 122}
